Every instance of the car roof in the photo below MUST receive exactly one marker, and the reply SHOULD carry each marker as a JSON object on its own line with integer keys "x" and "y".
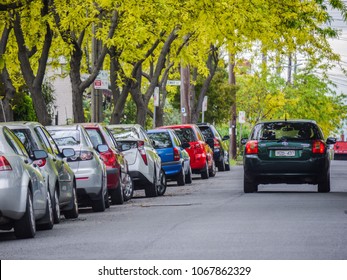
{"x": 179, "y": 126}
{"x": 289, "y": 121}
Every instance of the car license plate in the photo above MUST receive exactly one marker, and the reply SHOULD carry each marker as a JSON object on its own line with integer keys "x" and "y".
{"x": 281, "y": 153}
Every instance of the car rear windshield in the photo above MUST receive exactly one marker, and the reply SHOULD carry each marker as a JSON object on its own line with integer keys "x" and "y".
{"x": 162, "y": 140}
{"x": 95, "y": 137}
{"x": 66, "y": 137}
{"x": 286, "y": 131}
{"x": 124, "y": 133}
{"x": 27, "y": 140}
{"x": 186, "y": 135}
{"x": 206, "y": 131}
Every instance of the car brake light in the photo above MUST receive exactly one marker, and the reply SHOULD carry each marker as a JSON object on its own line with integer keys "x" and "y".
{"x": 40, "y": 162}
{"x": 318, "y": 147}
{"x": 216, "y": 143}
{"x": 4, "y": 164}
{"x": 142, "y": 151}
{"x": 252, "y": 147}
{"x": 176, "y": 154}
{"x": 109, "y": 158}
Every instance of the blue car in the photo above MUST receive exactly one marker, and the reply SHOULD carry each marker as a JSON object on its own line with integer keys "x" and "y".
{"x": 175, "y": 160}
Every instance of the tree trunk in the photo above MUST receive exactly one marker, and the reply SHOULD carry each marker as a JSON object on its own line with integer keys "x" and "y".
{"x": 232, "y": 81}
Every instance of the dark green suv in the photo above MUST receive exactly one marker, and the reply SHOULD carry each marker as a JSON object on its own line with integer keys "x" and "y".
{"x": 291, "y": 152}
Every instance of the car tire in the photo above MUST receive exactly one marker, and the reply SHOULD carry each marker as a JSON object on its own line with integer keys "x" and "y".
{"x": 212, "y": 172}
{"x": 56, "y": 207}
{"x": 117, "y": 195}
{"x": 161, "y": 188}
{"x": 221, "y": 165}
{"x": 205, "y": 172}
{"x": 181, "y": 178}
{"x": 99, "y": 205}
{"x": 25, "y": 227}
{"x": 188, "y": 176}
{"x": 107, "y": 200}
{"x": 151, "y": 190}
{"x": 324, "y": 183}
{"x": 249, "y": 184}
{"x": 73, "y": 212}
{"x": 128, "y": 187}
{"x": 49, "y": 217}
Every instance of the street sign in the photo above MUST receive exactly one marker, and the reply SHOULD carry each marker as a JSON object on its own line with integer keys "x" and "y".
{"x": 204, "y": 104}
{"x": 173, "y": 83}
{"x": 156, "y": 97}
{"x": 101, "y": 81}
{"x": 242, "y": 116}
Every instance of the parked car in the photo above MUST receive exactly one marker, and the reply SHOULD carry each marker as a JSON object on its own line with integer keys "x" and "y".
{"x": 200, "y": 152}
{"x": 89, "y": 168}
{"x": 175, "y": 159}
{"x": 340, "y": 150}
{"x": 119, "y": 182}
{"x": 25, "y": 203}
{"x": 220, "y": 147}
{"x": 58, "y": 174}
{"x": 289, "y": 151}
{"x": 143, "y": 160}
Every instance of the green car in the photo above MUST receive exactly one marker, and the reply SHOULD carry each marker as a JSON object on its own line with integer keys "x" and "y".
{"x": 292, "y": 152}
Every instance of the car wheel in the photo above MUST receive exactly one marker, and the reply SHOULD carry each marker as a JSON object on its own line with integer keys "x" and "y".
{"x": 227, "y": 167}
{"x": 48, "y": 216}
{"x": 73, "y": 213}
{"x": 99, "y": 205}
{"x": 212, "y": 172}
{"x": 25, "y": 227}
{"x": 181, "y": 178}
{"x": 117, "y": 195}
{"x": 205, "y": 172}
{"x": 221, "y": 165}
{"x": 151, "y": 190}
{"x": 324, "y": 183}
{"x": 189, "y": 176}
{"x": 249, "y": 185}
{"x": 56, "y": 207}
{"x": 128, "y": 187}
{"x": 107, "y": 200}
{"x": 161, "y": 188}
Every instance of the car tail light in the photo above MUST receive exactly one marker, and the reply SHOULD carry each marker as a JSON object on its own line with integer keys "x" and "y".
{"x": 216, "y": 143}
{"x": 318, "y": 147}
{"x": 40, "y": 162}
{"x": 81, "y": 156}
{"x": 142, "y": 151}
{"x": 176, "y": 154}
{"x": 109, "y": 158}
{"x": 252, "y": 147}
{"x": 4, "y": 164}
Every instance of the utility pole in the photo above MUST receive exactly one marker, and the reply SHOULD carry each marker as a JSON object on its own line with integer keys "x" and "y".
{"x": 232, "y": 128}
{"x": 185, "y": 94}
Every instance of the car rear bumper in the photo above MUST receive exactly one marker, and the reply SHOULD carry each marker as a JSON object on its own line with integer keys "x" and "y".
{"x": 172, "y": 168}
{"x": 12, "y": 201}
{"x": 112, "y": 178}
{"x": 289, "y": 171}
{"x": 140, "y": 181}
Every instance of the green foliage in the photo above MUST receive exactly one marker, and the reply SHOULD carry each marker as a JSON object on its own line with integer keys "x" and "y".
{"x": 22, "y": 105}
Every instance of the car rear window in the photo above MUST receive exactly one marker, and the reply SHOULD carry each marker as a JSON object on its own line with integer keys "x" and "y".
{"x": 162, "y": 140}
{"x": 206, "y": 131}
{"x": 124, "y": 133}
{"x": 66, "y": 137}
{"x": 24, "y": 135}
{"x": 95, "y": 137}
{"x": 286, "y": 130}
{"x": 186, "y": 135}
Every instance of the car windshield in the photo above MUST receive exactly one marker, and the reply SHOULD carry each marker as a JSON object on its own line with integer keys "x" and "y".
{"x": 186, "y": 135}
{"x": 124, "y": 132}
{"x": 162, "y": 140}
{"x": 286, "y": 131}
{"x": 66, "y": 137}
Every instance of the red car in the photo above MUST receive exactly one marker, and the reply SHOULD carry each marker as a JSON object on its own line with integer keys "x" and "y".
{"x": 119, "y": 183}
{"x": 201, "y": 155}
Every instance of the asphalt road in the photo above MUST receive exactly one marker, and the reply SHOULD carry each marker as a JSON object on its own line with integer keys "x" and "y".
{"x": 208, "y": 220}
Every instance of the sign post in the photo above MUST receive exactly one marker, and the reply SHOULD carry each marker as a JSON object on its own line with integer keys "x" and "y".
{"x": 204, "y": 108}
{"x": 156, "y": 104}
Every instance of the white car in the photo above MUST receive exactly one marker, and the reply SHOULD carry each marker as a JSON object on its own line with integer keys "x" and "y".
{"x": 25, "y": 203}
{"x": 143, "y": 160}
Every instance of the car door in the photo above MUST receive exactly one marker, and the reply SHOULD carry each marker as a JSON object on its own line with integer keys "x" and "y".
{"x": 65, "y": 176}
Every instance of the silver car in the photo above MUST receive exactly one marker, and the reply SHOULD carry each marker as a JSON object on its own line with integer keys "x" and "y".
{"x": 143, "y": 160}
{"x": 58, "y": 174}
{"x": 89, "y": 169}
{"x": 25, "y": 203}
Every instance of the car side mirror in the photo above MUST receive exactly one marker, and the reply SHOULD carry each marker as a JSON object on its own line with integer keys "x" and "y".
{"x": 39, "y": 154}
{"x": 185, "y": 145}
{"x": 244, "y": 141}
{"x": 210, "y": 142}
{"x": 331, "y": 140}
{"x": 226, "y": 137}
{"x": 101, "y": 148}
{"x": 68, "y": 152}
